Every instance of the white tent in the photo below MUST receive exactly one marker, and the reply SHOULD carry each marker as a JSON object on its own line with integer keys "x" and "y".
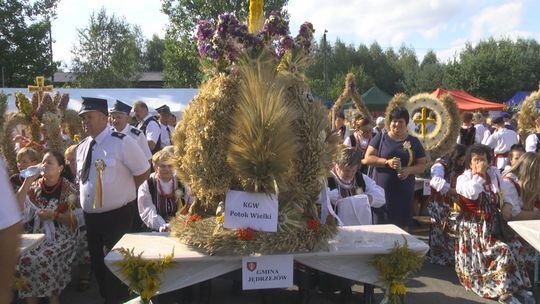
{"x": 176, "y": 99}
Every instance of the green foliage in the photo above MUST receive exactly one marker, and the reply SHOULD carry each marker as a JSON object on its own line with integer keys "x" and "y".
{"x": 24, "y": 40}
{"x": 496, "y": 69}
{"x": 181, "y": 67}
{"x": 153, "y": 54}
{"x": 108, "y": 52}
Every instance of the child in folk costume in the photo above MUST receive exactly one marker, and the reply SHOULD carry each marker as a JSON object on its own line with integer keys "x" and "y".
{"x": 444, "y": 173}
{"x": 520, "y": 185}
{"x": 485, "y": 264}
{"x": 500, "y": 141}
{"x": 361, "y": 137}
{"x": 162, "y": 195}
{"x": 353, "y": 193}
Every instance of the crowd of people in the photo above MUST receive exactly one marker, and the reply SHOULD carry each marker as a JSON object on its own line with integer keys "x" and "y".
{"x": 121, "y": 179}
{"x": 489, "y": 177}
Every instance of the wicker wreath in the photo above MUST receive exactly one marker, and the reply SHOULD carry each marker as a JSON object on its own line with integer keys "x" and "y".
{"x": 446, "y": 124}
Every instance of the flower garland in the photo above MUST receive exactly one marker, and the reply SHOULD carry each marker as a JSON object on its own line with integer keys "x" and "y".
{"x": 394, "y": 268}
{"x": 142, "y": 275}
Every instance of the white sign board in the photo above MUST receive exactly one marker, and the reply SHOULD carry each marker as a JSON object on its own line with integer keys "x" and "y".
{"x": 257, "y": 211}
{"x": 271, "y": 271}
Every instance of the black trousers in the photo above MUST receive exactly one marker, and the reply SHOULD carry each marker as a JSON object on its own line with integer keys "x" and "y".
{"x": 104, "y": 230}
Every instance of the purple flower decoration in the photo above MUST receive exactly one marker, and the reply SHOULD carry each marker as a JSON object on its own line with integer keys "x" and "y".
{"x": 205, "y": 30}
{"x": 224, "y": 42}
{"x": 286, "y": 42}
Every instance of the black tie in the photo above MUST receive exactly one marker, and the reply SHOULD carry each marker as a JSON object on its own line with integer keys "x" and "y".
{"x": 87, "y": 162}
{"x": 168, "y": 131}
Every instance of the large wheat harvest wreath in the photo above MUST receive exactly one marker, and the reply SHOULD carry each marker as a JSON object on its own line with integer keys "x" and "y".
{"x": 43, "y": 111}
{"x": 446, "y": 123}
{"x": 254, "y": 127}
{"x": 528, "y": 113}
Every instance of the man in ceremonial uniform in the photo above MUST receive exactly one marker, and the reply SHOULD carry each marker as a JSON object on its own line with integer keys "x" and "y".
{"x": 120, "y": 123}
{"x": 149, "y": 125}
{"x": 110, "y": 167}
{"x": 500, "y": 141}
{"x": 165, "y": 118}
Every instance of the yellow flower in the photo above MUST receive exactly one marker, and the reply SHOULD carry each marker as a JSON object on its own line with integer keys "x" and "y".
{"x": 398, "y": 289}
{"x": 406, "y": 145}
{"x": 150, "y": 286}
{"x": 220, "y": 219}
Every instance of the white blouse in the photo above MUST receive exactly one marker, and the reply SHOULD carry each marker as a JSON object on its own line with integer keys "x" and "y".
{"x": 355, "y": 210}
{"x": 471, "y": 186}
{"x": 147, "y": 209}
{"x": 437, "y": 179}
{"x": 511, "y": 194}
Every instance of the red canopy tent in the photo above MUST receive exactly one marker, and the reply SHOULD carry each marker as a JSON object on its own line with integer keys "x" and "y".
{"x": 467, "y": 102}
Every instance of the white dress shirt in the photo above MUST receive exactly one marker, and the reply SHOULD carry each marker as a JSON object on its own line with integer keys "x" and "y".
{"x": 139, "y": 137}
{"x": 500, "y": 141}
{"x": 166, "y": 133}
{"x": 531, "y": 142}
{"x": 482, "y": 133}
{"x": 153, "y": 129}
{"x": 123, "y": 159}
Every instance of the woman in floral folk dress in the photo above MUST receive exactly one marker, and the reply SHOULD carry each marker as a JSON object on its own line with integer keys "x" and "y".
{"x": 49, "y": 204}
{"x": 444, "y": 173}
{"x": 484, "y": 264}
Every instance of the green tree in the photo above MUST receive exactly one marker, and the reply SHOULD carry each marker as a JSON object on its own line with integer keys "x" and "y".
{"x": 495, "y": 69}
{"x": 108, "y": 52}
{"x": 153, "y": 54}
{"x": 430, "y": 74}
{"x": 181, "y": 66}
{"x": 181, "y": 61}
{"x": 25, "y": 41}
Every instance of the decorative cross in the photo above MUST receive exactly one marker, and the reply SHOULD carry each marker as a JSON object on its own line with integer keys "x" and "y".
{"x": 423, "y": 120}
{"x": 40, "y": 88}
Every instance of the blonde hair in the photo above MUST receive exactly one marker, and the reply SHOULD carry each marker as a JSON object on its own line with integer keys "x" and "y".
{"x": 70, "y": 150}
{"x": 32, "y": 154}
{"x": 527, "y": 168}
{"x": 162, "y": 156}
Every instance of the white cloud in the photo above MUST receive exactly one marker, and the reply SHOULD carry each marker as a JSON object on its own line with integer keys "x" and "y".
{"x": 386, "y": 21}
{"x": 75, "y": 14}
{"x": 497, "y": 20}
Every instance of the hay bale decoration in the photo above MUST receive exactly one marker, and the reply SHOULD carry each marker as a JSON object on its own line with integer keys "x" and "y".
{"x": 254, "y": 127}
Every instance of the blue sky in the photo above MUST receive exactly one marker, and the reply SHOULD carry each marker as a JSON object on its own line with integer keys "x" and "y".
{"x": 442, "y": 25}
